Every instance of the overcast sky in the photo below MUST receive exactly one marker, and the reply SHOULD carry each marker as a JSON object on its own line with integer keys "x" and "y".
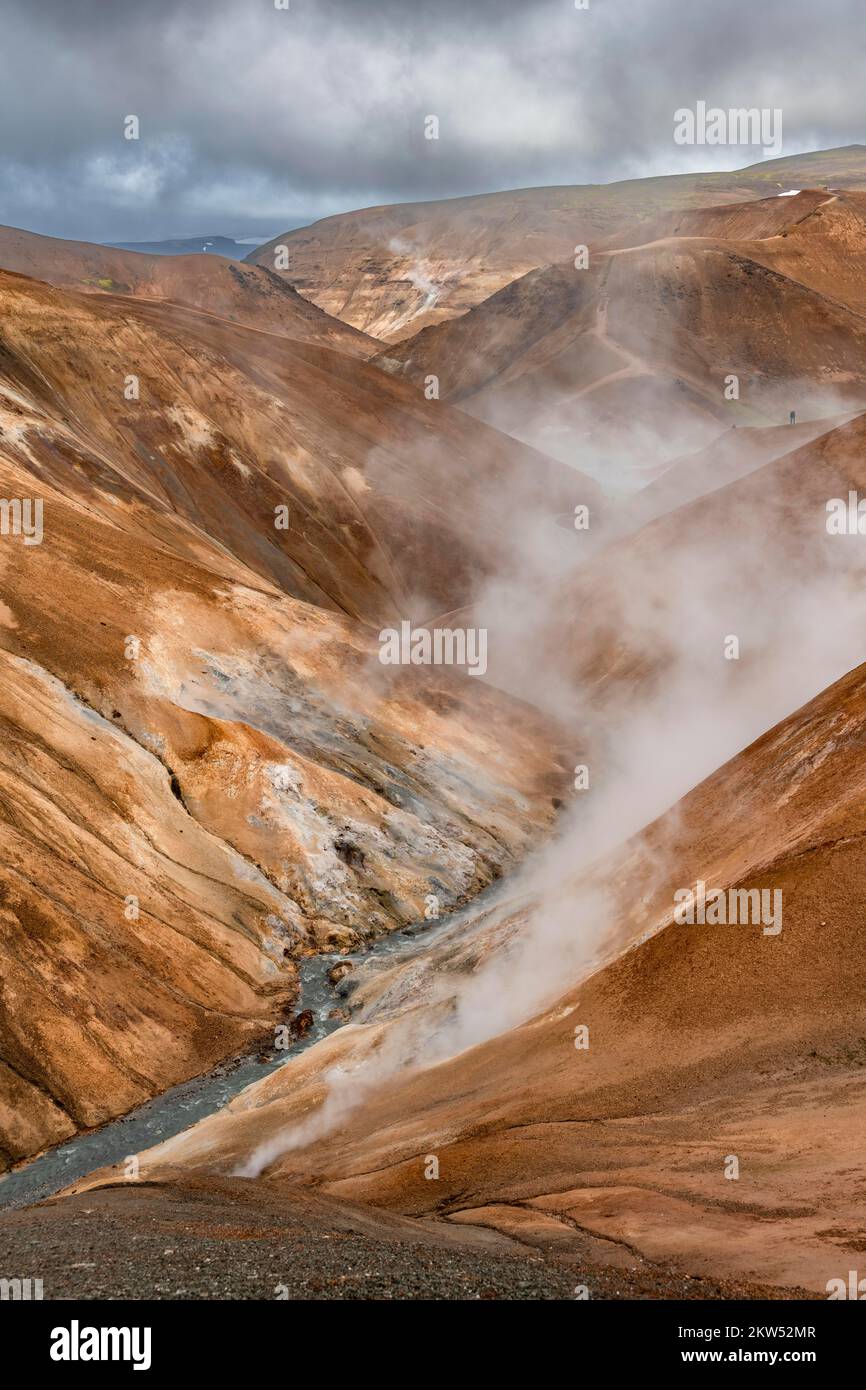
{"x": 253, "y": 118}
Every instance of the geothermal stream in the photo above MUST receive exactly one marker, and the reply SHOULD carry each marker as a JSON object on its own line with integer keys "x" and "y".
{"x": 182, "y": 1106}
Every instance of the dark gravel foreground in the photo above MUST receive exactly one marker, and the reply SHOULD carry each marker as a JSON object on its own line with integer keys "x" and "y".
{"x": 225, "y": 1241}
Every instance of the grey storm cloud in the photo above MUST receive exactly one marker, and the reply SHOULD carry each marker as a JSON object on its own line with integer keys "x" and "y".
{"x": 253, "y": 117}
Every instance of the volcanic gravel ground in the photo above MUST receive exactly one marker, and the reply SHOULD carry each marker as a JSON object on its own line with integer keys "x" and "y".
{"x": 222, "y": 1242}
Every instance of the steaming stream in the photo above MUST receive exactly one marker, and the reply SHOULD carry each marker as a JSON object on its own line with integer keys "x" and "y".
{"x": 184, "y": 1105}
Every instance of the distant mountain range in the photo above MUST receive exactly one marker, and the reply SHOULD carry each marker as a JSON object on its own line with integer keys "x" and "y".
{"x": 192, "y": 245}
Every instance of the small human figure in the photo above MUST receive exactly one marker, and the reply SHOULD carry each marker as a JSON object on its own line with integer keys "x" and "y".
{"x": 792, "y": 418}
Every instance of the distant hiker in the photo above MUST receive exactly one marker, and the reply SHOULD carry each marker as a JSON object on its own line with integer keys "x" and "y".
{"x": 792, "y": 418}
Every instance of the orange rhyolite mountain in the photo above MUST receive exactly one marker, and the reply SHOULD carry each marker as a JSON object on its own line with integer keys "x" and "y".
{"x": 240, "y": 293}
{"x": 394, "y": 270}
{"x": 206, "y": 771}
{"x": 719, "y": 317}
